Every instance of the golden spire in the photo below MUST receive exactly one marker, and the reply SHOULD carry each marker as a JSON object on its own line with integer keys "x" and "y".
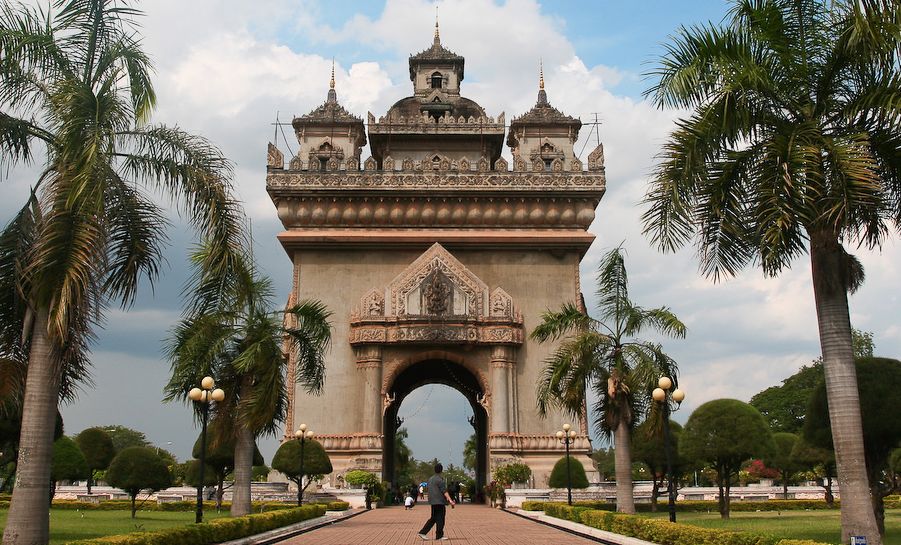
{"x": 540, "y": 74}
{"x": 437, "y": 37}
{"x": 331, "y": 83}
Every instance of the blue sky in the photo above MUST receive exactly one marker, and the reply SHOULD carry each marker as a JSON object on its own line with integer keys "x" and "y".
{"x": 225, "y": 67}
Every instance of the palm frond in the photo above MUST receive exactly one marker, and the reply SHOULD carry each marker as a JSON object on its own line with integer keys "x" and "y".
{"x": 555, "y": 325}
{"x": 309, "y": 336}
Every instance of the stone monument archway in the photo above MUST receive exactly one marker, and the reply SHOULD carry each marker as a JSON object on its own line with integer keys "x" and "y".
{"x": 436, "y": 248}
{"x": 436, "y": 368}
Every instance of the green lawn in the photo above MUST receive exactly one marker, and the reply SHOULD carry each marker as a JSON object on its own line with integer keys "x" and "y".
{"x": 816, "y": 525}
{"x": 68, "y": 525}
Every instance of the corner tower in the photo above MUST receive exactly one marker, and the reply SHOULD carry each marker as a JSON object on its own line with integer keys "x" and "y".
{"x": 436, "y": 260}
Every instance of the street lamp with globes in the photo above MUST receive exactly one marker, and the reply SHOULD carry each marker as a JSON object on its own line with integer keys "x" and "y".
{"x": 670, "y": 402}
{"x": 302, "y": 434}
{"x": 204, "y": 395}
{"x": 567, "y": 436}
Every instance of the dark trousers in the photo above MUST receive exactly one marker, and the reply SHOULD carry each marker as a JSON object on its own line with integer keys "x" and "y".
{"x": 438, "y": 512}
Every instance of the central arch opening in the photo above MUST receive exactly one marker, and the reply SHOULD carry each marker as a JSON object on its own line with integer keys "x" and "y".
{"x": 447, "y": 373}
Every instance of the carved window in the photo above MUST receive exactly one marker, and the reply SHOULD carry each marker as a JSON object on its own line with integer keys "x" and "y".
{"x": 437, "y": 80}
{"x": 547, "y": 164}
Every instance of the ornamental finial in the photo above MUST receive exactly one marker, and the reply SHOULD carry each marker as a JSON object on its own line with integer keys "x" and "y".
{"x": 437, "y": 37}
{"x": 540, "y": 74}
{"x": 331, "y": 83}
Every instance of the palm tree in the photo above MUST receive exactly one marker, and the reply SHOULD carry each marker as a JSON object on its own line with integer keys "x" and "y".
{"x": 77, "y": 84}
{"x": 240, "y": 343}
{"x": 791, "y": 147}
{"x": 602, "y": 355}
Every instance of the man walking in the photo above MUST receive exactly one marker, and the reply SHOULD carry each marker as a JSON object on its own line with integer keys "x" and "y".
{"x": 438, "y": 500}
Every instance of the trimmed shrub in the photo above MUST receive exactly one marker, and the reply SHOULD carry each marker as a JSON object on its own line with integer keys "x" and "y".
{"x": 661, "y": 531}
{"x": 576, "y": 474}
{"x": 217, "y": 531}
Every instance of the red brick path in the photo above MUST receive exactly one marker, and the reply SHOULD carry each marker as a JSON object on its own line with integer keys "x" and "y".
{"x": 474, "y": 524}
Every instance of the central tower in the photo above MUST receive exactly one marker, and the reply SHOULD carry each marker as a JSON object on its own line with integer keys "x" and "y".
{"x": 436, "y": 259}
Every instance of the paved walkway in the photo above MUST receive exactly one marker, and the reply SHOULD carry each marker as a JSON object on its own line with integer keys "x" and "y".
{"x": 465, "y": 524}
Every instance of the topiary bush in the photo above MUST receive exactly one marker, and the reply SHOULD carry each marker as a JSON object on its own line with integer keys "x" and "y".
{"x": 216, "y": 531}
{"x": 136, "y": 469}
{"x": 516, "y": 472}
{"x": 578, "y": 479}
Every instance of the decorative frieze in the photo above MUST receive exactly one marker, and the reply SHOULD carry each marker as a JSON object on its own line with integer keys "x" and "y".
{"x": 429, "y": 333}
{"x": 519, "y": 443}
{"x": 419, "y": 211}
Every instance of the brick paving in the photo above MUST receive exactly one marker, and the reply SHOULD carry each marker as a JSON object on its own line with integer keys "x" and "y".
{"x": 465, "y": 524}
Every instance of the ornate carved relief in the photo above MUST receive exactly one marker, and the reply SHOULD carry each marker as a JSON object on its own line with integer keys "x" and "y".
{"x": 465, "y": 179}
{"x": 407, "y": 163}
{"x": 471, "y": 291}
{"x": 519, "y": 165}
{"x": 501, "y": 165}
{"x": 575, "y": 165}
{"x": 371, "y": 164}
{"x": 596, "y": 158}
{"x": 483, "y": 164}
{"x": 537, "y": 164}
{"x": 557, "y": 165}
{"x": 274, "y": 157}
{"x": 352, "y": 164}
{"x": 296, "y": 163}
{"x": 501, "y": 304}
{"x": 464, "y": 165}
{"x": 388, "y": 163}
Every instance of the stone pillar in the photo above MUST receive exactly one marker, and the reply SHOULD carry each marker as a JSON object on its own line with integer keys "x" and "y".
{"x": 502, "y": 363}
{"x": 369, "y": 364}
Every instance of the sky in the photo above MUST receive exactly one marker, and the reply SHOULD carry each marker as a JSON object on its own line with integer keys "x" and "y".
{"x": 227, "y": 69}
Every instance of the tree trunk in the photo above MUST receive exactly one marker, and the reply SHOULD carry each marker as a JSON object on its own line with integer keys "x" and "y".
{"x": 133, "y": 508}
{"x": 721, "y": 496}
{"x": 28, "y": 521}
{"x": 785, "y": 476}
{"x": 828, "y": 496}
{"x": 243, "y": 471}
{"x": 90, "y": 480}
{"x": 622, "y": 451}
{"x": 830, "y": 291}
{"x": 879, "y": 507}
{"x": 655, "y": 490}
{"x": 727, "y": 498}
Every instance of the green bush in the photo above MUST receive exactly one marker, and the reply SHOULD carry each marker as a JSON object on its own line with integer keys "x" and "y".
{"x": 184, "y": 506}
{"x": 702, "y": 506}
{"x": 532, "y": 505}
{"x": 358, "y": 477}
{"x": 515, "y": 472}
{"x": 217, "y": 531}
{"x": 576, "y": 472}
{"x": 660, "y": 531}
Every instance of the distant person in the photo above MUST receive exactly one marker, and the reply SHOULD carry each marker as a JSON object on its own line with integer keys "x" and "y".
{"x": 438, "y": 500}
{"x": 408, "y": 502}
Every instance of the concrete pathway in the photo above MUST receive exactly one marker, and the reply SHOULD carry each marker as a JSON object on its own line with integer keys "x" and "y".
{"x": 476, "y": 524}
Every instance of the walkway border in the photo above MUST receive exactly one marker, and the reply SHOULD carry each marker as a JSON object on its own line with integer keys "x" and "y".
{"x": 285, "y": 532}
{"x": 581, "y": 530}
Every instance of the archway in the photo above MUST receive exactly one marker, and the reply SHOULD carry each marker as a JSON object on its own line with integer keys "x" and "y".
{"x": 437, "y": 371}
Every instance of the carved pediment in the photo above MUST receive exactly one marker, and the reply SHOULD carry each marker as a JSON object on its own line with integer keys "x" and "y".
{"x": 437, "y": 284}
{"x": 436, "y": 299}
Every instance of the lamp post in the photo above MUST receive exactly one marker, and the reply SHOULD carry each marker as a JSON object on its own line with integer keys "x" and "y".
{"x": 670, "y": 402}
{"x": 567, "y": 436}
{"x": 302, "y": 434}
{"x": 204, "y": 395}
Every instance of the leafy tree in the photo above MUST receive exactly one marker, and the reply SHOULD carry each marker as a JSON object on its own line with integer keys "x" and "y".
{"x": 649, "y": 448}
{"x": 97, "y": 447}
{"x": 11, "y": 427}
{"x": 261, "y": 473}
{"x": 77, "y": 84}
{"x": 124, "y": 437}
{"x": 241, "y": 342}
{"x": 725, "y": 433}
{"x": 192, "y": 474}
{"x": 402, "y": 458}
{"x": 68, "y": 461}
{"x": 220, "y": 455}
{"x": 514, "y": 472}
{"x": 470, "y": 453}
{"x": 785, "y": 406}
{"x": 894, "y": 469}
{"x": 604, "y": 463}
{"x": 782, "y": 459}
{"x": 602, "y": 355}
{"x": 577, "y": 477}
{"x": 790, "y": 147}
{"x": 819, "y": 463}
{"x": 877, "y": 379}
{"x": 316, "y": 463}
{"x": 136, "y": 469}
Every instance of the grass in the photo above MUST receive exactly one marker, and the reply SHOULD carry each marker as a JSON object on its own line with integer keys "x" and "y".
{"x": 823, "y": 526}
{"x": 69, "y": 525}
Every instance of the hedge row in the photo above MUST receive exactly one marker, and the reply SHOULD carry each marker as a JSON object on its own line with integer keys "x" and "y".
{"x": 710, "y": 505}
{"x": 216, "y": 531}
{"x": 660, "y": 531}
{"x": 187, "y": 506}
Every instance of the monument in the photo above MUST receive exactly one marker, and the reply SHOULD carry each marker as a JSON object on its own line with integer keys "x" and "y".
{"x": 436, "y": 257}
